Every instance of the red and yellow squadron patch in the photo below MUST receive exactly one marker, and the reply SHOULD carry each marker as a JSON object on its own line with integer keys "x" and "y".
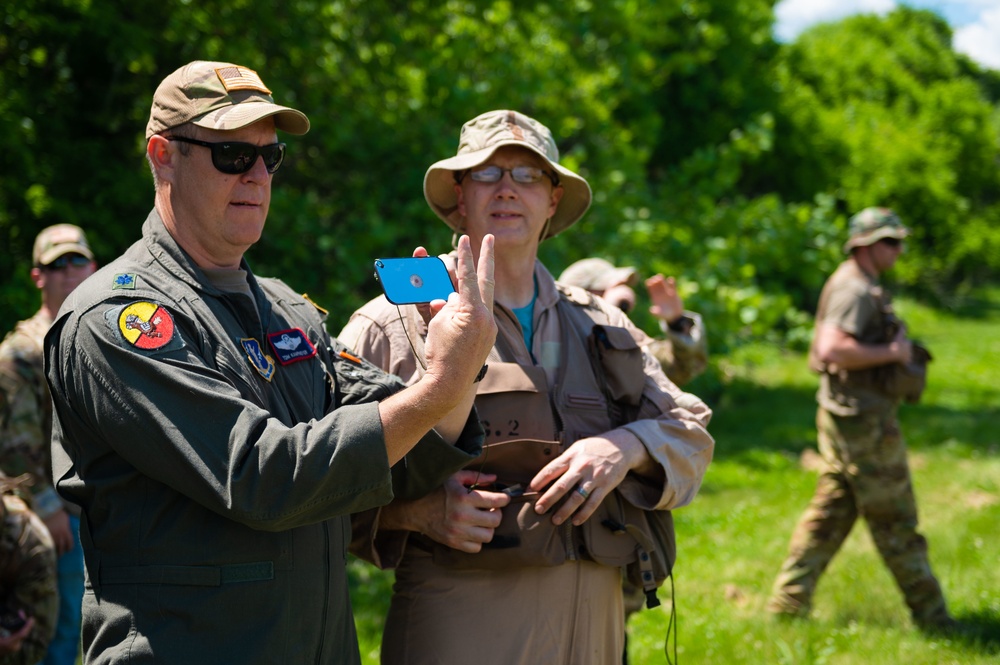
{"x": 146, "y": 325}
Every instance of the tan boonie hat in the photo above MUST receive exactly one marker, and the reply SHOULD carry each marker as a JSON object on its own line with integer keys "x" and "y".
{"x": 871, "y": 225}
{"x": 57, "y": 240}
{"x": 597, "y": 275}
{"x": 479, "y": 139}
{"x": 218, "y": 95}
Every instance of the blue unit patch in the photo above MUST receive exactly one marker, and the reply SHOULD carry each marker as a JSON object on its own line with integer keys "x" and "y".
{"x": 124, "y": 280}
{"x": 263, "y": 363}
{"x": 291, "y": 345}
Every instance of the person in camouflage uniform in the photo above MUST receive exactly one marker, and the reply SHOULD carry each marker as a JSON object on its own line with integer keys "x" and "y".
{"x": 61, "y": 259}
{"x": 858, "y": 342}
{"x": 27, "y": 578}
{"x": 683, "y": 349}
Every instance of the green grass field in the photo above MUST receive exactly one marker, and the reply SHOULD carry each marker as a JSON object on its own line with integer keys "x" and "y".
{"x": 734, "y": 536}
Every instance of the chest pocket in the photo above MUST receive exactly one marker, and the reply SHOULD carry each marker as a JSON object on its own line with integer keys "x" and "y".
{"x": 513, "y": 403}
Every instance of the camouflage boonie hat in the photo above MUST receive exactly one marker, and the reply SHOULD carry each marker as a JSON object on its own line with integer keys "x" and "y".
{"x": 871, "y": 225}
{"x": 57, "y": 240}
{"x": 479, "y": 139}
{"x": 218, "y": 95}
{"x": 597, "y": 275}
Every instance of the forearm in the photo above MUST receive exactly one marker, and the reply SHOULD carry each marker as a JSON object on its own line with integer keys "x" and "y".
{"x": 411, "y": 413}
{"x": 453, "y": 424}
{"x": 850, "y": 354}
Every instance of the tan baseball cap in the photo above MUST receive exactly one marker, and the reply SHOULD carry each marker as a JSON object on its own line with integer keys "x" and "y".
{"x": 54, "y": 241}
{"x": 871, "y": 225}
{"x": 479, "y": 139}
{"x": 597, "y": 275}
{"x": 218, "y": 95}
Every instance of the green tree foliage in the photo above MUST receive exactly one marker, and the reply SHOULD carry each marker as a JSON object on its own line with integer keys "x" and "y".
{"x": 881, "y": 111}
{"x": 714, "y": 153}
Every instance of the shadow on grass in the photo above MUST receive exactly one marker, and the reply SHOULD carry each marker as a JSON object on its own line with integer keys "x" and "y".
{"x": 979, "y": 631}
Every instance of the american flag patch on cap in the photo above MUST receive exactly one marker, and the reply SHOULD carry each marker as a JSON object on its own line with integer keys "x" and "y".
{"x": 241, "y": 78}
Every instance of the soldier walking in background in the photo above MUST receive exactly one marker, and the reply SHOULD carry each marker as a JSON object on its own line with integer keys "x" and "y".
{"x": 860, "y": 348}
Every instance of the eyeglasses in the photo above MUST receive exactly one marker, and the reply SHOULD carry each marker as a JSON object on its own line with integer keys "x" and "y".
{"x": 524, "y": 175}
{"x": 891, "y": 242}
{"x": 235, "y": 157}
{"x": 66, "y": 260}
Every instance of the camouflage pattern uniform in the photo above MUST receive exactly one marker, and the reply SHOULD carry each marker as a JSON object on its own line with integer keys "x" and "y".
{"x": 27, "y": 572}
{"x": 26, "y": 412}
{"x": 682, "y": 351}
{"x": 865, "y": 471}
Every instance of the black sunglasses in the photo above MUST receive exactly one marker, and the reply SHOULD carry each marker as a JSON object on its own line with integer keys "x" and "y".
{"x": 235, "y": 157}
{"x": 891, "y": 242}
{"x": 66, "y": 260}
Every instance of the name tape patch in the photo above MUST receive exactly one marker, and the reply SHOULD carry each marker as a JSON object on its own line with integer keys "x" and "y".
{"x": 291, "y": 346}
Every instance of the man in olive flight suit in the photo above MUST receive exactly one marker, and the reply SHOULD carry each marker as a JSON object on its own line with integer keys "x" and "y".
{"x": 213, "y": 433}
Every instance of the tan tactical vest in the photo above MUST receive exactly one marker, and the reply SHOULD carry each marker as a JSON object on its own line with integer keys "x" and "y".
{"x": 526, "y": 429}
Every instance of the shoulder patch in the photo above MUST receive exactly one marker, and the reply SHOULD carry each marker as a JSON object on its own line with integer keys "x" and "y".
{"x": 146, "y": 325}
{"x": 291, "y": 345}
{"x": 124, "y": 280}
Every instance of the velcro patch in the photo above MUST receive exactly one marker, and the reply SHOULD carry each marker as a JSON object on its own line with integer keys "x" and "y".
{"x": 291, "y": 345}
{"x": 146, "y": 325}
{"x": 263, "y": 363}
{"x": 241, "y": 78}
{"x": 124, "y": 280}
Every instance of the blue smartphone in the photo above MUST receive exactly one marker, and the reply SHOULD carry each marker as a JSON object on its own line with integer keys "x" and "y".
{"x": 413, "y": 280}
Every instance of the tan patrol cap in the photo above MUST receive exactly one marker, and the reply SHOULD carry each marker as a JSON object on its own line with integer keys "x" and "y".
{"x": 218, "y": 95}
{"x": 57, "y": 240}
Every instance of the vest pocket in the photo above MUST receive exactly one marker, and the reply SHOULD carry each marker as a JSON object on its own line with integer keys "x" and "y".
{"x": 513, "y": 403}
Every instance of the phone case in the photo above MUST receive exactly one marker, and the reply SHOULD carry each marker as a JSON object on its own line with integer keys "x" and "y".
{"x": 407, "y": 281}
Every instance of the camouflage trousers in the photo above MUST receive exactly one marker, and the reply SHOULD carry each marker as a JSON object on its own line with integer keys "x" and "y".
{"x": 865, "y": 473}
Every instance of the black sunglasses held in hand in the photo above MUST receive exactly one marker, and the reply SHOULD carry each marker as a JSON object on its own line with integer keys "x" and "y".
{"x": 235, "y": 157}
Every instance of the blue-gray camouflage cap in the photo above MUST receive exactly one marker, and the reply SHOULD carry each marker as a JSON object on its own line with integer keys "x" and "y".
{"x": 218, "y": 95}
{"x": 871, "y": 225}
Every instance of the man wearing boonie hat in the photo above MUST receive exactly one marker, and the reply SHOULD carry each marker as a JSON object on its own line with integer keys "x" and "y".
{"x": 61, "y": 259}
{"x": 501, "y": 561}
{"x": 858, "y": 345}
{"x": 213, "y": 433}
{"x": 682, "y": 349}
